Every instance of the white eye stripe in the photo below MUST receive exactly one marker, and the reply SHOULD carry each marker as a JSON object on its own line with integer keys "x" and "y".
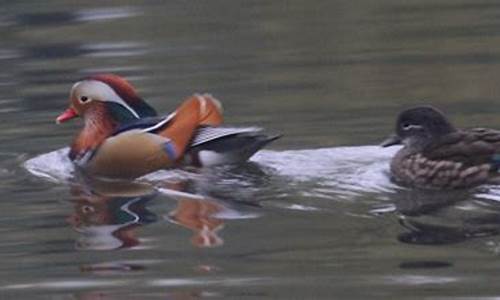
{"x": 100, "y": 90}
{"x": 410, "y": 126}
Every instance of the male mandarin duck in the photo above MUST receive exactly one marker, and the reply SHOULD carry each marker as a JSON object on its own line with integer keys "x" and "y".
{"x": 436, "y": 155}
{"x": 123, "y": 138}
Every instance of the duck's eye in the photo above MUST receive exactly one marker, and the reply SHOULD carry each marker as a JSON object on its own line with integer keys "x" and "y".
{"x": 84, "y": 98}
{"x": 408, "y": 126}
{"x": 87, "y": 209}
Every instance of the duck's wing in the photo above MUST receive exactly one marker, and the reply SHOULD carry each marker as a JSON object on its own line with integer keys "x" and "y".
{"x": 226, "y": 145}
{"x": 203, "y": 134}
{"x": 151, "y": 124}
{"x": 470, "y": 147}
{"x": 207, "y": 134}
{"x": 460, "y": 159}
{"x": 211, "y": 145}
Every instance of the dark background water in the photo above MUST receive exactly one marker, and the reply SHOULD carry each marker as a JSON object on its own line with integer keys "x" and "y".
{"x": 324, "y": 73}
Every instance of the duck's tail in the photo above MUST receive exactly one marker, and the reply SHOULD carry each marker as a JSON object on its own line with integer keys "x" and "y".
{"x": 226, "y": 145}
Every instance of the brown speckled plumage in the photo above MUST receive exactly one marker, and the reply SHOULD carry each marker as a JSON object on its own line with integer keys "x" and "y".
{"x": 419, "y": 171}
{"x": 438, "y": 156}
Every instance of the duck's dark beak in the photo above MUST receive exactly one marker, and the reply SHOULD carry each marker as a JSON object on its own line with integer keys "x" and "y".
{"x": 391, "y": 141}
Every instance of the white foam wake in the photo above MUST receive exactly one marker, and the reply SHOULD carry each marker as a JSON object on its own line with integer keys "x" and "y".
{"x": 342, "y": 171}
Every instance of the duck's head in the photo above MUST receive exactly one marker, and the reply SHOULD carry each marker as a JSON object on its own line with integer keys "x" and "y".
{"x": 419, "y": 126}
{"x": 107, "y": 94}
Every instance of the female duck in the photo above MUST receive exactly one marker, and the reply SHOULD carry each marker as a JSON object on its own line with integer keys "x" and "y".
{"x": 437, "y": 155}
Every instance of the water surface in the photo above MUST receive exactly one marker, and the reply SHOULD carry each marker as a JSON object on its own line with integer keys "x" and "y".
{"x": 313, "y": 216}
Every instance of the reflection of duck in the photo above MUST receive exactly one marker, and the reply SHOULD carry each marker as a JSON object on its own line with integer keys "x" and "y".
{"x": 122, "y": 137}
{"x": 108, "y": 221}
{"x": 200, "y": 215}
{"x": 107, "y": 213}
{"x": 424, "y": 202}
{"x": 439, "y": 217}
{"x": 205, "y": 215}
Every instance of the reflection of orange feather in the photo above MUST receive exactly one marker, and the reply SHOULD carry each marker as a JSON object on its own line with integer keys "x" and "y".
{"x": 196, "y": 215}
{"x": 91, "y": 210}
{"x": 200, "y": 217}
{"x": 128, "y": 236}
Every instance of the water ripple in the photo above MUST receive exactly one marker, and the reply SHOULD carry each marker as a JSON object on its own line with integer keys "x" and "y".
{"x": 115, "y": 49}
{"x": 107, "y": 13}
{"x": 170, "y": 282}
{"x": 63, "y": 17}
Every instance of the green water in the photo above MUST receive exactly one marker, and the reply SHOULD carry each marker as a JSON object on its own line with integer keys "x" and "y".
{"x": 297, "y": 223}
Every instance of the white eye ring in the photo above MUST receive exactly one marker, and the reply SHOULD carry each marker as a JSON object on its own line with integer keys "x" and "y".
{"x": 84, "y": 99}
{"x": 408, "y": 126}
{"x": 88, "y": 209}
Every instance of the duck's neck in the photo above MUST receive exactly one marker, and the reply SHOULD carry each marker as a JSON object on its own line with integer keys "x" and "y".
{"x": 99, "y": 125}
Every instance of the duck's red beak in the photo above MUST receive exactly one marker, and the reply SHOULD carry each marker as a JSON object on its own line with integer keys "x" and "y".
{"x": 68, "y": 114}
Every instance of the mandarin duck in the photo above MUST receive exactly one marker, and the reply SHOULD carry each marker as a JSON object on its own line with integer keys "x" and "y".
{"x": 436, "y": 155}
{"x": 122, "y": 136}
